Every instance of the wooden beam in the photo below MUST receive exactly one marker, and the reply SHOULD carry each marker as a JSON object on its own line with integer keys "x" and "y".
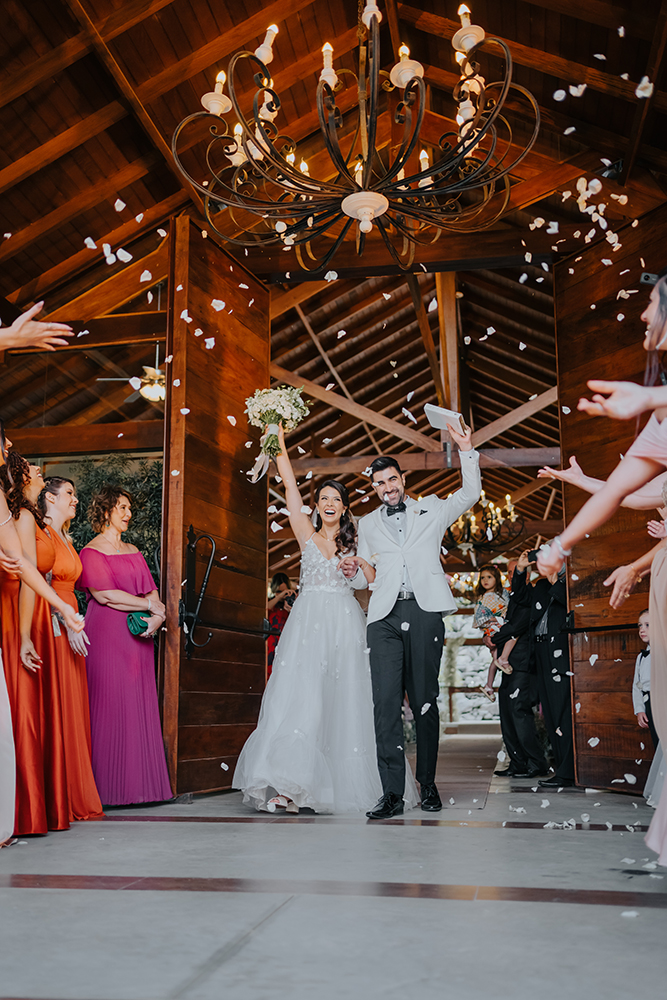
{"x": 60, "y": 273}
{"x": 515, "y": 416}
{"x": 112, "y": 331}
{"x": 86, "y": 199}
{"x": 394, "y": 27}
{"x": 282, "y": 302}
{"x": 130, "y": 435}
{"x": 644, "y": 106}
{"x": 528, "y": 489}
{"x": 609, "y": 15}
{"x": 115, "y": 291}
{"x": 127, "y": 90}
{"x": 411, "y": 461}
{"x": 332, "y": 368}
{"x": 427, "y": 337}
{"x": 524, "y": 55}
{"x": 493, "y": 249}
{"x": 445, "y": 290}
{"x": 362, "y": 413}
{"x": 229, "y": 41}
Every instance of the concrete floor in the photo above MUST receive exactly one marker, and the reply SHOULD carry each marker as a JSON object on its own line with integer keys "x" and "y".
{"x": 208, "y": 899}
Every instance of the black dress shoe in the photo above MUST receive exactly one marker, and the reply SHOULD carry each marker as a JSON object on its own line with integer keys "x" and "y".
{"x": 555, "y": 782}
{"x": 431, "y": 801}
{"x": 389, "y": 805}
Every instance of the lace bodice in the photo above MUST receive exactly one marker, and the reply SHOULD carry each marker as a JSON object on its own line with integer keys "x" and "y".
{"x": 320, "y": 573}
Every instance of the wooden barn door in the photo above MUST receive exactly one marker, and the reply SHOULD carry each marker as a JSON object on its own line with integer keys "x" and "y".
{"x": 218, "y": 337}
{"x": 604, "y": 342}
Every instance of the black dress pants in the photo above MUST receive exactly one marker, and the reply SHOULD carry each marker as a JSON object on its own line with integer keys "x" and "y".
{"x": 651, "y": 724}
{"x": 556, "y": 701}
{"x": 516, "y": 696}
{"x": 406, "y": 648}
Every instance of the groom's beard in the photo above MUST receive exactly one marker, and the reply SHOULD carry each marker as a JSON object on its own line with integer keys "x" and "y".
{"x": 393, "y": 501}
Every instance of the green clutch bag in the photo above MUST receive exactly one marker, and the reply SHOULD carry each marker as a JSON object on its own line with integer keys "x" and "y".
{"x": 137, "y": 622}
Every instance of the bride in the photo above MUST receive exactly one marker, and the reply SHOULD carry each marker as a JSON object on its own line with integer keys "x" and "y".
{"x": 314, "y": 744}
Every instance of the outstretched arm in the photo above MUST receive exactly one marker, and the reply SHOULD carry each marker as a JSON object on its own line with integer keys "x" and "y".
{"x": 471, "y": 488}
{"x": 301, "y": 524}
{"x": 622, "y": 400}
{"x": 627, "y": 477}
{"x": 645, "y": 498}
{"x": 28, "y": 332}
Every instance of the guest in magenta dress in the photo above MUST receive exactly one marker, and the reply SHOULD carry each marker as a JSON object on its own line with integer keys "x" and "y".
{"x": 128, "y": 753}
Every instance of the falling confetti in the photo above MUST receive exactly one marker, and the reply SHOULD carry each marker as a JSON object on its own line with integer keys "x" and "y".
{"x": 123, "y": 256}
{"x": 331, "y": 276}
{"x": 644, "y": 88}
{"x": 89, "y": 242}
{"x": 522, "y": 347}
{"x": 425, "y": 706}
{"x": 594, "y": 740}
{"x": 276, "y": 527}
{"x": 406, "y": 413}
{"x": 135, "y": 383}
{"x": 566, "y": 410}
{"x": 405, "y": 626}
{"x": 559, "y": 95}
{"x": 225, "y": 767}
{"x": 185, "y": 410}
{"x": 231, "y": 419}
{"x": 176, "y": 382}
{"x": 577, "y": 91}
{"x": 523, "y": 278}
{"x": 341, "y": 333}
{"x": 600, "y": 55}
{"x": 210, "y": 343}
{"x": 217, "y": 304}
{"x": 198, "y": 332}
{"x": 162, "y": 232}
{"x": 568, "y": 131}
{"x": 175, "y": 472}
{"x": 592, "y": 659}
{"x": 119, "y": 205}
{"x": 433, "y": 305}
{"x": 331, "y": 385}
{"x": 146, "y": 276}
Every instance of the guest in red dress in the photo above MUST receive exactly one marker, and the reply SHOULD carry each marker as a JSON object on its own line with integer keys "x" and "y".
{"x": 58, "y": 503}
{"x": 278, "y": 608}
{"x": 128, "y": 752}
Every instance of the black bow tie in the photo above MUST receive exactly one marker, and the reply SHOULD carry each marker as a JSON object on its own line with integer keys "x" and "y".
{"x": 645, "y": 652}
{"x": 399, "y": 508}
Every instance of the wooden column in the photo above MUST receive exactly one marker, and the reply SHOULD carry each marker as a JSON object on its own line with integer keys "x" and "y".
{"x": 211, "y": 701}
{"x": 597, "y": 343}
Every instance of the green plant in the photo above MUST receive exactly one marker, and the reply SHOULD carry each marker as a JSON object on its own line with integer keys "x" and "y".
{"x": 144, "y": 482}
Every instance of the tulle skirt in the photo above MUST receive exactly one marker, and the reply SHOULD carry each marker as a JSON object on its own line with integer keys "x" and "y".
{"x": 315, "y": 738}
{"x": 7, "y": 763}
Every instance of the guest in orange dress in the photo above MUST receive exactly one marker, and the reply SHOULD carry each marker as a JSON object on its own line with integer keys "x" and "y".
{"x": 58, "y": 503}
{"x": 41, "y": 784}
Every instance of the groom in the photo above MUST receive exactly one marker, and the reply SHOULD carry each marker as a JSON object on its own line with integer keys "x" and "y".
{"x": 406, "y": 631}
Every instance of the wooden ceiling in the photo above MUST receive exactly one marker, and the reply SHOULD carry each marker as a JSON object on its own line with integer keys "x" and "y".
{"x": 90, "y": 93}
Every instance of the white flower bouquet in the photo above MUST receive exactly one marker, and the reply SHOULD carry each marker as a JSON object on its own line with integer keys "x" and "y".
{"x": 270, "y": 407}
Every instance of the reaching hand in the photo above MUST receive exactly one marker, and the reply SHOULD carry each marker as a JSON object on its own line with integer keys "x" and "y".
{"x": 464, "y": 441}
{"x": 622, "y": 400}
{"x": 624, "y": 580}
{"x": 549, "y": 560}
{"x": 27, "y": 332}
{"x": 657, "y": 529}
{"x": 281, "y": 436}
{"x": 29, "y": 658}
{"x": 78, "y": 641}
{"x": 522, "y": 561}
{"x": 642, "y": 720}
{"x": 573, "y": 475}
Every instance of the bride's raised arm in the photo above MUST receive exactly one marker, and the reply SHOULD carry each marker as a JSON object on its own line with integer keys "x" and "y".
{"x": 301, "y": 524}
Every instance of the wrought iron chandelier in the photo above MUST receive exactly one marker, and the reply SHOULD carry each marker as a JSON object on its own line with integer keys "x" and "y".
{"x": 489, "y": 532}
{"x": 269, "y": 201}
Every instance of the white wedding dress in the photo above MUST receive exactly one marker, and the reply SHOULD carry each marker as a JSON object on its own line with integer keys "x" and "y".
{"x": 315, "y": 738}
{"x": 7, "y": 763}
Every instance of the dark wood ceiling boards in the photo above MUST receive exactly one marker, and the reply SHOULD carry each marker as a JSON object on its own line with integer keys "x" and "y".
{"x": 90, "y": 92}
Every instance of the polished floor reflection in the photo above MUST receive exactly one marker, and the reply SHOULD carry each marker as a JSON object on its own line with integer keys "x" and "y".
{"x": 508, "y": 892}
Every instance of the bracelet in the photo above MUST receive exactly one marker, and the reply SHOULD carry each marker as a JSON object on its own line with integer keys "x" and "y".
{"x": 6, "y": 521}
{"x": 636, "y": 572}
{"x": 149, "y": 604}
{"x": 564, "y": 553}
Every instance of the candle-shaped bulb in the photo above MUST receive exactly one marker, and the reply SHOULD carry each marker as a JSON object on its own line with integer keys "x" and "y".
{"x": 238, "y": 130}
{"x": 303, "y": 167}
{"x": 464, "y": 14}
{"x": 291, "y": 157}
{"x": 508, "y": 498}
{"x": 460, "y": 58}
{"x": 404, "y": 52}
{"x": 220, "y": 81}
{"x": 328, "y": 73}
{"x": 265, "y": 50}
{"x": 423, "y": 160}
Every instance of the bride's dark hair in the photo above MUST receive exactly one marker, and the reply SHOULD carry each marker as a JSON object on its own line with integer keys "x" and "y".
{"x": 346, "y": 539}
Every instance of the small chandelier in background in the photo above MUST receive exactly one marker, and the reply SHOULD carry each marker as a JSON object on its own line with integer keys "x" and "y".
{"x": 491, "y": 531}
{"x": 253, "y": 172}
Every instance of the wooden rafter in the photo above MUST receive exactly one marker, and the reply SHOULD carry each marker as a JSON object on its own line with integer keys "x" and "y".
{"x": 130, "y": 435}
{"x": 427, "y": 337}
{"x": 489, "y": 458}
{"x": 363, "y": 413}
{"x": 643, "y": 108}
{"x": 445, "y": 287}
{"x": 515, "y": 416}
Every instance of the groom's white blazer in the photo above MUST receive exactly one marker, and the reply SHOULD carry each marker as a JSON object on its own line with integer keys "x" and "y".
{"x": 427, "y": 521}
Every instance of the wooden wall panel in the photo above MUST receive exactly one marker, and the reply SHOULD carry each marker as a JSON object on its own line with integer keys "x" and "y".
{"x": 211, "y": 701}
{"x": 599, "y": 335}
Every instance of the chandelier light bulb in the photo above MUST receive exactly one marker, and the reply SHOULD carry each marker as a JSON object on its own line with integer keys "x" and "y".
{"x": 371, "y": 10}
{"x": 460, "y": 58}
{"x": 303, "y": 167}
{"x": 265, "y": 50}
{"x": 328, "y": 74}
{"x": 468, "y": 34}
{"x": 291, "y": 157}
{"x": 215, "y": 102}
{"x": 464, "y": 13}
{"x": 406, "y": 69}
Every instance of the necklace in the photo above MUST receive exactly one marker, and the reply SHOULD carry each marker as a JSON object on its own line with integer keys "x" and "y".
{"x": 107, "y": 539}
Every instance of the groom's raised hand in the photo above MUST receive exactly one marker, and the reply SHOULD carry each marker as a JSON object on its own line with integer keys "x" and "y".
{"x": 464, "y": 441}
{"x": 349, "y": 566}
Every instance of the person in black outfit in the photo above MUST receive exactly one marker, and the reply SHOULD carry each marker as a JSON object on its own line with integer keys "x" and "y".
{"x": 518, "y": 691}
{"x": 547, "y": 603}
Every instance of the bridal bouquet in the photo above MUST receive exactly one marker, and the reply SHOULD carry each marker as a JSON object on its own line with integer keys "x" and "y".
{"x": 270, "y": 406}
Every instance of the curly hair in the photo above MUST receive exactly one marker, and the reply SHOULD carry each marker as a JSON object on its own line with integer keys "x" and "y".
{"x": 14, "y": 480}
{"x": 103, "y": 502}
{"x": 493, "y": 569}
{"x": 52, "y": 484}
{"x": 346, "y": 539}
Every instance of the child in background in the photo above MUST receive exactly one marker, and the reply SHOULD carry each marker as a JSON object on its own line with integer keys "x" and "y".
{"x": 641, "y": 685}
{"x": 492, "y": 601}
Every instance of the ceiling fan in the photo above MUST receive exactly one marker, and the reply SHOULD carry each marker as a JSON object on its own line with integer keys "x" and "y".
{"x": 151, "y": 385}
